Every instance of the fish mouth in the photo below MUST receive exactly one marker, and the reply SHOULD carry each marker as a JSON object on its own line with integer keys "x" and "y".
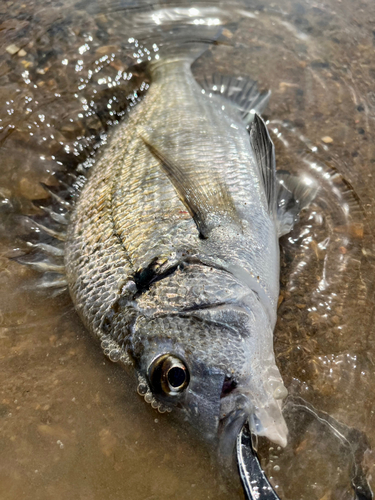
{"x": 269, "y": 422}
{"x": 264, "y": 417}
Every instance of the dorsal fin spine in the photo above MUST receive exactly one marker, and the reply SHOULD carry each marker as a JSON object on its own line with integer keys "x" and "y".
{"x": 264, "y": 151}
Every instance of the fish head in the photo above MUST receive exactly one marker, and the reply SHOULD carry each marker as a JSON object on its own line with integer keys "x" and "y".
{"x": 174, "y": 376}
{"x": 213, "y": 372}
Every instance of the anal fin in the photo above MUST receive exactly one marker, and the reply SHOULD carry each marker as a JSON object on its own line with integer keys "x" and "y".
{"x": 293, "y": 194}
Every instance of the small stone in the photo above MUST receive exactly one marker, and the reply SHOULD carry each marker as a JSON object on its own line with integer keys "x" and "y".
{"x": 327, "y": 139}
{"x": 327, "y": 495}
{"x": 118, "y": 65}
{"x": 71, "y": 130}
{"x": 301, "y": 447}
{"x": 12, "y": 49}
{"x": 335, "y": 320}
{"x": 94, "y": 123}
{"x": 284, "y": 85}
{"x": 108, "y": 442}
{"x": 355, "y": 230}
{"x": 314, "y": 317}
{"x": 280, "y": 300}
{"x": 22, "y": 53}
{"x": 101, "y": 20}
{"x": 228, "y": 34}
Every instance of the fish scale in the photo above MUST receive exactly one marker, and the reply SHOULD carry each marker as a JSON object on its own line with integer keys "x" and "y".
{"x": 194, "y": 286}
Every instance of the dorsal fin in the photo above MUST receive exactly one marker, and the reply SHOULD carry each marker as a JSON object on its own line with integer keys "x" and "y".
{"x": 264, "y": 151}
{"x": 207, "y": 200}
{"x": 242, "y": 92}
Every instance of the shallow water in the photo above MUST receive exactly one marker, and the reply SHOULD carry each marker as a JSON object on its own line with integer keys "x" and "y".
{"x": 71, "y": 423}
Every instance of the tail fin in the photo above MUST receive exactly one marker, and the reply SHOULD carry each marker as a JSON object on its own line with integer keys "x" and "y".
{"x": 174, "y": 32}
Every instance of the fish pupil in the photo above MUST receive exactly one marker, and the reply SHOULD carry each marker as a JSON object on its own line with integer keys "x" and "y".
{"x": 176, "y": 377}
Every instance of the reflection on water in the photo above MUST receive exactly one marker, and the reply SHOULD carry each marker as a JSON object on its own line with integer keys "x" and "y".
{"x": 71, "y": 422}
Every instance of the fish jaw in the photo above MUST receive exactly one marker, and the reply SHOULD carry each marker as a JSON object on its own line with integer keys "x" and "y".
{"x": 258, "y": 403}
{"x": 269, "y": 422}
{"x": 219, "y": 417}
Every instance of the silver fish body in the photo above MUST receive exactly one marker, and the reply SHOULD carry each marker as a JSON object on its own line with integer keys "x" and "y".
{"x": 172, "y": 256}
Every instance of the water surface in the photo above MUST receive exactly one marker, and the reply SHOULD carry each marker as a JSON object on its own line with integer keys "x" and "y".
{"x": 71, "y": 423}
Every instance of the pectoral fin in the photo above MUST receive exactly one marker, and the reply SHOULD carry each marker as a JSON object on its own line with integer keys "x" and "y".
{"x": 293, "y": 194}
{"x": 208, "y": 201}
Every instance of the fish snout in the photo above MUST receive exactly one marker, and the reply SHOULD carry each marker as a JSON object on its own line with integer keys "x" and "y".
{"x": 262, "y": 409}
{"x": 268, "y": 421}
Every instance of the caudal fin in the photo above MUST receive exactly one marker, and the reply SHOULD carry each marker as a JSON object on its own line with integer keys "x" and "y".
{"x": 175, "y": 32}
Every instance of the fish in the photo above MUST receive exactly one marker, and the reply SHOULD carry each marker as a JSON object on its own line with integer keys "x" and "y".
{"x": 172, "y": 250}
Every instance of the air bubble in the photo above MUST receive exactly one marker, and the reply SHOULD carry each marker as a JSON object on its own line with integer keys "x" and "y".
{"x": 105, "y": 344}
{"x": 142, "y": 389}
{"x": 149, "y": 397}
{"x": 125, "y": 359}
{"x": 115, "y": 355}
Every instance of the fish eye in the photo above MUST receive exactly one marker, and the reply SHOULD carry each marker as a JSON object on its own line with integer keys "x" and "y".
{"x": 168, "y": 374}
{"x": 176, "y": 377}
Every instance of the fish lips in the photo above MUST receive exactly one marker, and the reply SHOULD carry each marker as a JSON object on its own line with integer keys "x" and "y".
{"x": 264, "y": 420}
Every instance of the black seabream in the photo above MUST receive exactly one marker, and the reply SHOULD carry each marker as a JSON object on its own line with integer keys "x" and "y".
{"x": 172, "y": 253}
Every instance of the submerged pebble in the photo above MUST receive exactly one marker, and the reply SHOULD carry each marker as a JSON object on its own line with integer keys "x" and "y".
{"x": 327, "y": 139}
{"x": 12, "y": 49}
